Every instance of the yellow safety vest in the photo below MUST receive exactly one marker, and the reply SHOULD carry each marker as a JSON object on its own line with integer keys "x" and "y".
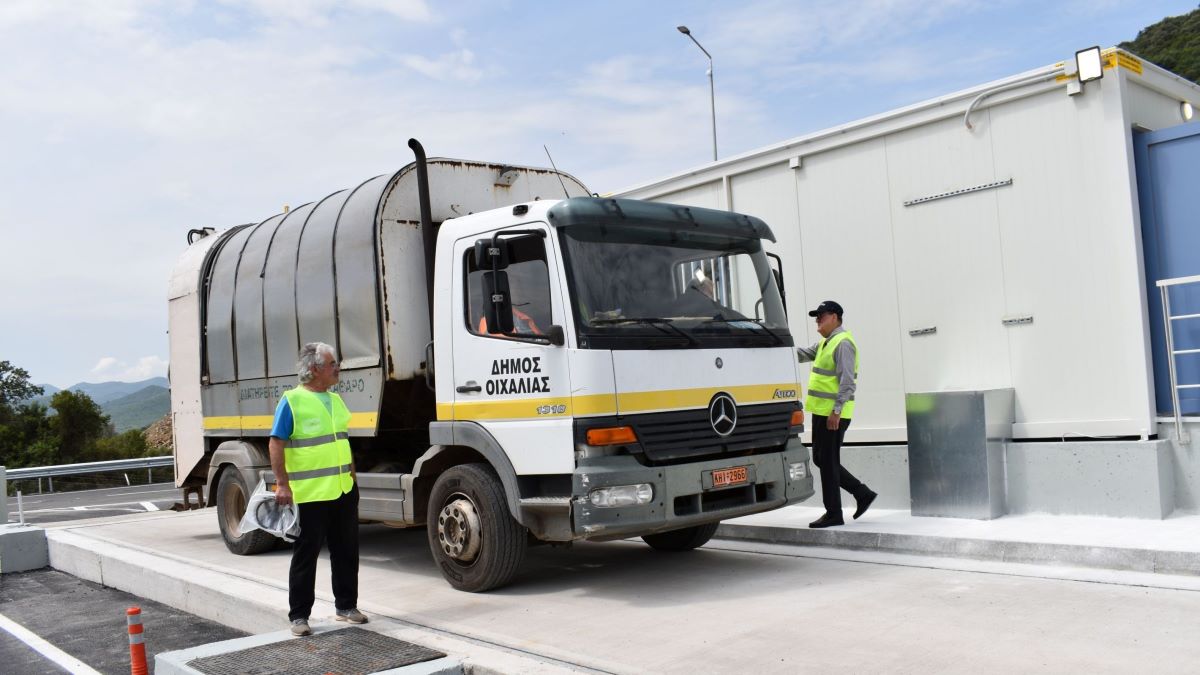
{"x": 823, "y": 380}
{"x": 317, "y": 456}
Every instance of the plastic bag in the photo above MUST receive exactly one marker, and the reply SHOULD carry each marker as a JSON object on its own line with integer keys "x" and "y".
{"x": 264, "y": 513}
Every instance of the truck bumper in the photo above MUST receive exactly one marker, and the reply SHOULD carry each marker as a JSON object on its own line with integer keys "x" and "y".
{"x": 683, "y": 495}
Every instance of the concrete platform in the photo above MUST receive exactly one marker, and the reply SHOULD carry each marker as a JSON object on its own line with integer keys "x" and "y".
{"x": 1168, "y": 546}
{"x": 619, "y": 607}
{"x": 22, "y": 548}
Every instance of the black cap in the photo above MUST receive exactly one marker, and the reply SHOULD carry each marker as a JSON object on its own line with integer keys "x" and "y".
{"x": 827, "y": 307}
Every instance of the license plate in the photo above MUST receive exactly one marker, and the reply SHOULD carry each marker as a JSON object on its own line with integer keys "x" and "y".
{"x": 730, "y": 476}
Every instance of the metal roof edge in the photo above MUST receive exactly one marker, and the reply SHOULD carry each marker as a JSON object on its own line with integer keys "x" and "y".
{"x": 1034, "y": 77}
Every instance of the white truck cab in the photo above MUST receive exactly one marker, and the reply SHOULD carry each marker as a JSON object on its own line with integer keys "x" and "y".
{"x": 591, "y": 369}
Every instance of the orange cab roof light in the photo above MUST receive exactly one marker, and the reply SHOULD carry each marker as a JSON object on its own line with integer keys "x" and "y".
{"x": 611, "y": 436}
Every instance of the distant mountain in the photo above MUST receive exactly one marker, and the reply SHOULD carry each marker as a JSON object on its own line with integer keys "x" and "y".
{"x": 48, "y": 390}
{"x": 139, "y": 409}
{"x": 103, "y": 392}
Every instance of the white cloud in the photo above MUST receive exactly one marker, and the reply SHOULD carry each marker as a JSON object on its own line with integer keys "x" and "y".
{"x": 110, "y": 368}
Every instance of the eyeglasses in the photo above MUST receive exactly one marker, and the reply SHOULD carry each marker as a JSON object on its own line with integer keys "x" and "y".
{"x": 332, "y": 364}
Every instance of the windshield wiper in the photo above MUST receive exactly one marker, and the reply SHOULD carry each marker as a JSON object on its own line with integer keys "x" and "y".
{"x": 658, "y": 322}
{"x": 720, "y": 319}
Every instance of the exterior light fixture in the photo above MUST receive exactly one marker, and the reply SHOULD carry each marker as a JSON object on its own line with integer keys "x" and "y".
{"x": 1089, "y": 65}
{"x": 1186, "y": 111}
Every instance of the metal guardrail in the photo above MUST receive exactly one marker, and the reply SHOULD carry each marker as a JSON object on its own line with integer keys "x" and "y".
{"x": 89, "y": 467}
{"x": 1164, "y": 286}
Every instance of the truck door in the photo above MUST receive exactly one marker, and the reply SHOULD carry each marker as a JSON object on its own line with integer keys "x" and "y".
{"x": 517, "y": 388}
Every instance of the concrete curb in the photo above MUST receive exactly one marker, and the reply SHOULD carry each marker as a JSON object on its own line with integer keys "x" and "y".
{"x": 251, "y": 604}
{"x": 1101, "y": 557}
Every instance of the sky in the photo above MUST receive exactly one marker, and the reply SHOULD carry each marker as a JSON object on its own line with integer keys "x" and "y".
{"x": 125, "y": 123}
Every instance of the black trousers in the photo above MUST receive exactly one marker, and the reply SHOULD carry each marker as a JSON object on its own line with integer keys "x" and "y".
{"x": 335, "y": 522}
{"x": 827, "y": 455}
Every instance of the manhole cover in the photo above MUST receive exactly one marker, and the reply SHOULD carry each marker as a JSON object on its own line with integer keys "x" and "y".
{"x": 342, "y": 652}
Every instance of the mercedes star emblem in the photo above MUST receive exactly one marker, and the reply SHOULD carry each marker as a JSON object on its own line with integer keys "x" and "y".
{"x": 722, "y": 414}
{"x": 719, "y": 363}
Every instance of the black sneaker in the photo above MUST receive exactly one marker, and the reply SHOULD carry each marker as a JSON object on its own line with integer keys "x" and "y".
{"x": 827, "y": 520}
{"x": 864, "y": 504}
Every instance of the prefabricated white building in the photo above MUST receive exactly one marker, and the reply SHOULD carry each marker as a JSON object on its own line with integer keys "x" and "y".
{"x": 986, "y": 239}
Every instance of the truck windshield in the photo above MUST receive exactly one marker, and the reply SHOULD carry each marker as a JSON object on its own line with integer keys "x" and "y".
{"x": 642, "y": 286}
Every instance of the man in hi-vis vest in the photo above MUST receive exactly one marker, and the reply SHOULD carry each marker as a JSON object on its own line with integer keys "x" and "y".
{"x": 830, "y": 399}
{"x": 310, "y": 455}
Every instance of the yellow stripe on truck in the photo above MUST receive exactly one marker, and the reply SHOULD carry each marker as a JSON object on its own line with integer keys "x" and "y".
{"x": 608, "y": 404}
{"x": 359, "y": 420}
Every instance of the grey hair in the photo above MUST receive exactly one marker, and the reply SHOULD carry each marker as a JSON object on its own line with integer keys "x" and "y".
{"x": 310, "y": 358}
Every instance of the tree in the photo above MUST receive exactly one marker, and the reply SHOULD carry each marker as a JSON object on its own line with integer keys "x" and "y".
{"x": 77, "y": 426}
{"x": 14, "y": 388}
{"x": 1173, "y": 43}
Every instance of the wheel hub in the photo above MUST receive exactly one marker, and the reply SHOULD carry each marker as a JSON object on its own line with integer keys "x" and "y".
{"x": 458, "y": 529}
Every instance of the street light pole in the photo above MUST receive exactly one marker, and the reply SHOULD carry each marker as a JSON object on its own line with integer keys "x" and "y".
{"x": 712, "y": 92}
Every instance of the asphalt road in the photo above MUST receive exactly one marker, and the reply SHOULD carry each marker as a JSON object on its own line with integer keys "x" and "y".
{"x": 66, "y": 506}
{"x": 86, "y": 622}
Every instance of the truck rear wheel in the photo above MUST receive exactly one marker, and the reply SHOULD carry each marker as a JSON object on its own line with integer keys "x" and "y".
{"x": 475, "y": 541}
{"x": 684, "y": 539}
{"x": 232, "y": 495}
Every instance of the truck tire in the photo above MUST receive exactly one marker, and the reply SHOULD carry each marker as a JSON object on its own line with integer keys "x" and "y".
{"x": 475, "y": 541}
{"x": 232, "y": 496}
{"x": 684, "y": 539}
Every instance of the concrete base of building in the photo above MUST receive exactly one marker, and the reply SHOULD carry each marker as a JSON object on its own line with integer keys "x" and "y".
{"x": 1111, "y": 478}
{"x": 22, "y": 548}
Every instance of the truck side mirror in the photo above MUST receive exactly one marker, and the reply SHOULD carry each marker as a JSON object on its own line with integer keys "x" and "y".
{"x": 556, "y": 335}
{"x": 497, "y": 302}
{"x": 491, "y": 256}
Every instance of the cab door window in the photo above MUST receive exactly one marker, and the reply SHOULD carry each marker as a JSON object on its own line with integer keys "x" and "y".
{"x": 528, "y": 284}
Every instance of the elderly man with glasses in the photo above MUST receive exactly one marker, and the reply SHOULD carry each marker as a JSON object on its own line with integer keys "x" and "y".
{"x": 310, "y": 455}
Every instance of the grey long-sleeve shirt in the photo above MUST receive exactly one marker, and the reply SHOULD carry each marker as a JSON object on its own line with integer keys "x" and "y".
{"x": 843, "y": 365}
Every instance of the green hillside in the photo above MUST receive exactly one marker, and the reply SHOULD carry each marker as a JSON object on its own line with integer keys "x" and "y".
{"x": 139, "y": 409}
{"x": 1173, "y": 43}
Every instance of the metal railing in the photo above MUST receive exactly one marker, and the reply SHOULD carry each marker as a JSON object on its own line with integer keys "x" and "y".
{"x": 49, "y": 472}
{"x": 1164, "y": 287}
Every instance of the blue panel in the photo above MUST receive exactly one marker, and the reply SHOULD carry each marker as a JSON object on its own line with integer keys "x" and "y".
{"x": 1168, "y": 163}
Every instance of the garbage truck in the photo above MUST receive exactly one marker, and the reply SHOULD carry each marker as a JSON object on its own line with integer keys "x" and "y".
{"x": 524, "y": 362}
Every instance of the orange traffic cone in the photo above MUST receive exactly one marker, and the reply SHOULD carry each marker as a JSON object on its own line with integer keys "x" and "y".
{"x": 137, "y": 647}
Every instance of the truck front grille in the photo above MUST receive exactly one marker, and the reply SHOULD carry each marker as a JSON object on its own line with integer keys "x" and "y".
{"x": 687, "y": 434}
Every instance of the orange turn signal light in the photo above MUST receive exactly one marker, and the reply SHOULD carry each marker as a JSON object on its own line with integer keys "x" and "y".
{"x": 611, "y": 436}
{"x": 797, "y": 418}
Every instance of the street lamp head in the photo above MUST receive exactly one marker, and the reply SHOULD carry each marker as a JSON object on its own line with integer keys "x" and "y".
{"x": 684, "y": 30}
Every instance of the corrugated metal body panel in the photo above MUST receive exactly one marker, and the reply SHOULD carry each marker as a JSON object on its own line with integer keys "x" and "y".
{"x": 248, "y": 302}
{"x": 219, "y": 313}
{"x": 845, "y": 250}
{"x": 279, "y": 294}
{"x": 357, "y": 278}
{"x": 316, "y": 301}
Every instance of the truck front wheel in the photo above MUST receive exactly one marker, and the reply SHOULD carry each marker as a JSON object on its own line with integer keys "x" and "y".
{"x": 476, "y": 543}
{"x": 232, "y": 496}
{"x": 684, "y": 539}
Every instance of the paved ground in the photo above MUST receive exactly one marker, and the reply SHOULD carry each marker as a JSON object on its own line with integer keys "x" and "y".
{"x": 64, "y": 506}
{"x": 87, "y": 621}
{"x": 736, "y": 607}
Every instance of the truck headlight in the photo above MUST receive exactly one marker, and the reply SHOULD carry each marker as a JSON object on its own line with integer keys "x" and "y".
{"x": 622, "y": 495}
{"x": 797, "y": 470}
